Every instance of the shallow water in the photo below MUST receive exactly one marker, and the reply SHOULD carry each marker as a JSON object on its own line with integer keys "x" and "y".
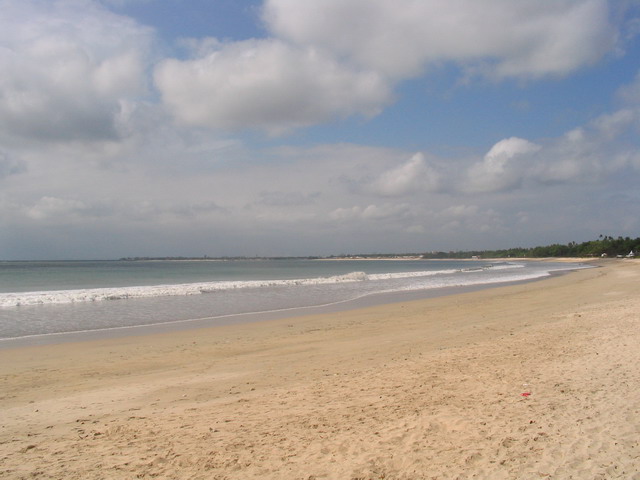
{"x": 48, "y": 298}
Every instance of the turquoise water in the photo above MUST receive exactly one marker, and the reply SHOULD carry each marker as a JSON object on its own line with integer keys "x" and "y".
{"x": 49, "y": 298}
{"x": 47, "y": 276}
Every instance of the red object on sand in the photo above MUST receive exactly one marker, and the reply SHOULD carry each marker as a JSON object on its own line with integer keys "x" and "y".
{"x": 525, "y": 394}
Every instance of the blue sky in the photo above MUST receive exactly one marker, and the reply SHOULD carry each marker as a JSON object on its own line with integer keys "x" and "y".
{"x": 281, "y": 127}
{"x": 224, "y": 19}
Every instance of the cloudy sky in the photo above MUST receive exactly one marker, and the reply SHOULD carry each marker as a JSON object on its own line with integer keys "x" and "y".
{"x": 315, "y": 127}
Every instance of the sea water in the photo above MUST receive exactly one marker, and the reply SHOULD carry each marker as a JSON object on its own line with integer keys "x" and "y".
{"x": 45, "y": 299}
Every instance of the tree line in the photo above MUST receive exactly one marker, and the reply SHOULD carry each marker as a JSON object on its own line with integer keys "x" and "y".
{"x": 604, "y": 246}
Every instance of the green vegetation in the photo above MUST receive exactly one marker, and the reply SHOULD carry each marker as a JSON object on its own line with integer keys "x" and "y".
{"x": 604, "y": 246}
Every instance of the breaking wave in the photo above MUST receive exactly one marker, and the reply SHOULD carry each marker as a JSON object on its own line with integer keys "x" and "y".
{"x": 120, "y": 293}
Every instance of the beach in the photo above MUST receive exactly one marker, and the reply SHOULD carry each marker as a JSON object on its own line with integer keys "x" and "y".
{"x": 532, "y": 380}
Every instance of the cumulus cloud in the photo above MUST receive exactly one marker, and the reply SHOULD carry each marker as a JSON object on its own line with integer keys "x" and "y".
{"x": 72, "y": 73}
{"x": 267, "y": 84}
{"x": 402, "y": 37}
{"x": 587, "y": 153}
{"x": 65, "y": 70}
{"x": 502, "y": 167}
{"x": 411, "y": 176}
{"x": 584, "y": 154}
{"x": 330, "y": 59}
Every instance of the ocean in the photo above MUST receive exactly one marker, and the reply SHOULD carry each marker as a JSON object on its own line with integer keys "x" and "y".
{"x": 43, "y": 302}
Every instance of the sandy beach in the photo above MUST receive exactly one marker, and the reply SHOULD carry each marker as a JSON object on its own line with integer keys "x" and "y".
{"x": 528, "y": 381}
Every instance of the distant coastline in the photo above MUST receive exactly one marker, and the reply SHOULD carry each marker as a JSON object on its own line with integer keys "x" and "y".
{"x": 605, "y": 246}
{"x": 227, "y": 259}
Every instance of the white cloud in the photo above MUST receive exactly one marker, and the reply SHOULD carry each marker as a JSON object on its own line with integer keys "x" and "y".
{"x": 460, "y": 211}
{"x": 400, "y": 38}
{"x": 330, "y": 59}
{"x": 502, "y": 167}
{"x": 383, "y": 212}
{"x": 120, "y": 170}
{"x": 65, "y": 67}
{"x": 267, "y": 84}
{"x": 609, "y": 126}
{"x": 584, "y": 154}
{"x": 55, "y": 208}
{"x": 587, "y": 153}
{"x": 371, "y": 212}
{"x": 413, "y": 175}
{"x": 470, "y": 218}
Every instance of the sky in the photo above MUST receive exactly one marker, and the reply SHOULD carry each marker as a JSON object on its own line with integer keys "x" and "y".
{"x": 316, "y": 127}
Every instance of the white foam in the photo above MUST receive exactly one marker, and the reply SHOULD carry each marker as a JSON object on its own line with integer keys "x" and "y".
{"x": 120, "y": 293}
{"x": 399, "y": 275}
{"x": 433, "y": 279}
{"x": 472, "y": 281}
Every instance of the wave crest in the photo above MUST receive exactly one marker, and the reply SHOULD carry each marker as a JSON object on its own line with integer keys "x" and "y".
{"x": 121, "y": 293}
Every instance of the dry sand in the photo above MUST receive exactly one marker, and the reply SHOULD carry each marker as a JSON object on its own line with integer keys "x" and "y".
{"x": 430, "y": 389}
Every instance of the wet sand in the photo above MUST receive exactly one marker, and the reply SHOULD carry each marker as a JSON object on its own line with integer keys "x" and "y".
{"x": 537, "y": 380}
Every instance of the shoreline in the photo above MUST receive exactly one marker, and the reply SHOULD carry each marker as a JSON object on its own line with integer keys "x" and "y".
{"x": 368, "y": 300}
{"x": 249, "y": 318}
{"x": 419, "y": 389}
